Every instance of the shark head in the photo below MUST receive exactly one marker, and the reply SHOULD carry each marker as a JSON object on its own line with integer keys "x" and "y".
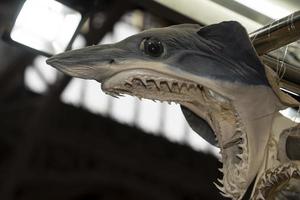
{"x": 213, "y": 72}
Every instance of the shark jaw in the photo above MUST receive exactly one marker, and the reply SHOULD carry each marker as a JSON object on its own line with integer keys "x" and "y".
{"x": 217, "y": 77}
{"x": 229, "y": 120}
{"x": 240, "y": 115}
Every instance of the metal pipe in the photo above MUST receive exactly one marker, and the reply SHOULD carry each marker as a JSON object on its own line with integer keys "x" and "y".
{"x": 273, "y": 36}
{"x": 277, "y": 34}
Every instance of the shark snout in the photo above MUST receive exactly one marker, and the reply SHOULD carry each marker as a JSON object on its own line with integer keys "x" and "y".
{"x": 93, "y": 62}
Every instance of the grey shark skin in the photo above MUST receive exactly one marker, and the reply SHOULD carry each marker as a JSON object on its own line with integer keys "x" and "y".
{"x": 212, "y": 72}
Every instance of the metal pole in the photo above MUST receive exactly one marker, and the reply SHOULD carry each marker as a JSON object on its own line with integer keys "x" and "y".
{"x": 277, "y": 34}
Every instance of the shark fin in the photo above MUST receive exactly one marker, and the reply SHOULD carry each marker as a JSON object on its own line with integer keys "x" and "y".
{"x": 230, "y": 41}
{"x": 231, "y": 38}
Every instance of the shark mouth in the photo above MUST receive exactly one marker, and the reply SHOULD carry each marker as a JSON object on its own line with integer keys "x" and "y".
{"x": 216, "y": 109}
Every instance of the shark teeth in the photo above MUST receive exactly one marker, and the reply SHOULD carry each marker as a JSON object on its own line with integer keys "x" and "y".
{"x": 273, "y": 178}
{"x": 220, "y": 181}
{"x": 169, "y": 85}
{"x": 144, "y": 81}
{"x": 221, "y": 170}
{"x": 233, "y": 142}
{"x": 154, "y": 87}
{"x": 234, "y": 170}
{"x": 182, "y": 91}
{"x": 164, "y": 89}
{"x": 172, "y": 84}
{"x": 128, "y": 82}
{"x": 114, "y": 94}
{"x": 221, "y": 188}
{"x": 157, "y": 84}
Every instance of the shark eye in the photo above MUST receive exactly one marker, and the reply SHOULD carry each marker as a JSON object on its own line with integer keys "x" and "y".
{"x": 152, "y": 47}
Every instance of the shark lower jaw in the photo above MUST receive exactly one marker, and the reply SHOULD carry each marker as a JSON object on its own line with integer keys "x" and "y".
{"x": 216, "y": 109}
{"x": 235, "y": 159}
{"x": 232, "y": 139}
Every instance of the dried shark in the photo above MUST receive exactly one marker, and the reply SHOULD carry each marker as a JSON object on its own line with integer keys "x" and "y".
{"x": 228, "y": 96}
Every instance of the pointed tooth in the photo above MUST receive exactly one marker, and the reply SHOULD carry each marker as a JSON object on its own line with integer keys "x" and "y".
{"x": 220, "y": 160}
{"x": 222, "y": 189}
{"x": 200, "y": 87}
{"x": 169, "y": 85}
{"x": 179, "y": 86}
{"x": 220, "y": 151}
{"x": 192, "y": 86}
{"x": 260, "y": 196}
{"x": 182, "y": 86}
{"x": 114, "y": 95}
{"x": 144, "y": 81}
{"x": 240, "y": 156}
{"x": 221, "y": 181}
{"x": 221, "y": 170}
{"x": 291, "y": 171}
{"x": 242, "y": 146}
{"x": 157, "y": 83}
{"x": 226, "y": 195}
{"x": 175, "y": 87}
{"x": 221, "y": 157}
{"x": 128, "y": 82}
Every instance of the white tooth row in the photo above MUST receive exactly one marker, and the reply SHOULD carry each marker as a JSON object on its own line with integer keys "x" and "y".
{"x": 243, "y": 146}
{"x": 173, "y": 85}
{"x": 222, "y": 189}
{"x": 272, "y": 177}
{"x": 235, "y": 191}
{"x": 228, "y": 189}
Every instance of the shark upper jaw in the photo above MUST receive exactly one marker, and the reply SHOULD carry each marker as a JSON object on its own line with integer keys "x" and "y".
{"x": 151, "y": 84}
